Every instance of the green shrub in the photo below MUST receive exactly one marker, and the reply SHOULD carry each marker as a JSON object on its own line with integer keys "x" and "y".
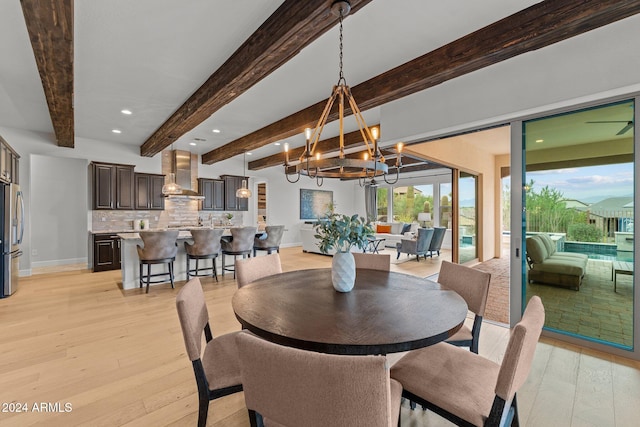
{"x": 584, "y": 233}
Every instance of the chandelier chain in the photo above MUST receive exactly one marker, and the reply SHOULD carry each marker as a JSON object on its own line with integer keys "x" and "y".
{"x": 341, "y": 76}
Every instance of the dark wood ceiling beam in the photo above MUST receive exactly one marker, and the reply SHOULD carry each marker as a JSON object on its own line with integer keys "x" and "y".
{"x": 538, "y": 26}
{"x": 293, "y": 26}
{"x": 50, "y": 27}
{"x": 327, "y": 146}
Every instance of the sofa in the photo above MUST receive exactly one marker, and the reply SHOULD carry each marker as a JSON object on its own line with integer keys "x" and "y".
{"x": 549, "y": 266}
{"x": 394, "y": 232}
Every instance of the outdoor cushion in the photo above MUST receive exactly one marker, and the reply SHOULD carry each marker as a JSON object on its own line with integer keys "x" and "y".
{"x": 561, "y": 268}
{"x": 548, "y": 243}
{"x": 562, "y": 265}
{"x": 536, "y": 249}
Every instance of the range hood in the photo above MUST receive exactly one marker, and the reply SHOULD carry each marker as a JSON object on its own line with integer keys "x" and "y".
{"x": 181, "y": 167}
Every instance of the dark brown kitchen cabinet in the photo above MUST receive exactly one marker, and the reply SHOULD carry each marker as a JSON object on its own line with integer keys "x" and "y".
{"x": 213, "y": 192}
{"x": 231, "y": 185}
{"x": 148, "y": 191}
{"x": 8, "y": 163}
{"x": 113, "y": 186}
{"x": 106, "y": 252}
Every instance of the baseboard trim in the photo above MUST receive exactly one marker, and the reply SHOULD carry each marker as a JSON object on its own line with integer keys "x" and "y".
{"x": 57, "y": 262}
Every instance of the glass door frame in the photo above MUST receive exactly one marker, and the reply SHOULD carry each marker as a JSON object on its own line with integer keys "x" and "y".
{"x": 518, "y": 269}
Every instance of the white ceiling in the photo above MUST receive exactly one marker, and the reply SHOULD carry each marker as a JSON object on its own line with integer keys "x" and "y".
{"x": 149, "y": 56}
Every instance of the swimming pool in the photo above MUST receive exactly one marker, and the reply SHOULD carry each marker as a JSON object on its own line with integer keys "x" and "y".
{"x": 606, "y": 252}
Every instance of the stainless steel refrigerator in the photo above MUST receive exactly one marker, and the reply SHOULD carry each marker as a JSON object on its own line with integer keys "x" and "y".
{"x": 12, "y": 213}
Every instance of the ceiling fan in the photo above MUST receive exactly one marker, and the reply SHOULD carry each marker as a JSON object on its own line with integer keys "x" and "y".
{"x": 625, "y": 129}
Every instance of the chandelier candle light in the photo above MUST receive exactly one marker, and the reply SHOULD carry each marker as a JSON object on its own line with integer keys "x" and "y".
{"x": 365, "y": 169}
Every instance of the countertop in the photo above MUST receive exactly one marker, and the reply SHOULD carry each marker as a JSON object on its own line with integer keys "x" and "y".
{"x": 130, "y": 230}
{"x": 182, "y": 235}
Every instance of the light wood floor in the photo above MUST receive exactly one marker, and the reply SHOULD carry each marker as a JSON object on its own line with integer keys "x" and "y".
{"x": 118, "y": 359}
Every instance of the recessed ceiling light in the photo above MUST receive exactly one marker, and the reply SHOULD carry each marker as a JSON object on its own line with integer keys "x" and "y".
{"x": 538, "y": 141}
{"x": 249, "y": 153}
{"x": 116, "y": 131}
{"x": 127, "y": 112}
{"x": 193, "y": 143}
{"x": 276, "y": 143}
{"x": 216, "y": 131}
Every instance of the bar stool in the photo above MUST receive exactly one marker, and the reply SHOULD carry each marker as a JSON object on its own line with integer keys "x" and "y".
{"x": 206, "y": 245}
{"x": 271, "y": 242}
{"x": 160, "y": 247}
{"x": 241, "y": 243}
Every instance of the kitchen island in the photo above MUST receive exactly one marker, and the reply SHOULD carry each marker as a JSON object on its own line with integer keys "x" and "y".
{"x": 130, "y": 261}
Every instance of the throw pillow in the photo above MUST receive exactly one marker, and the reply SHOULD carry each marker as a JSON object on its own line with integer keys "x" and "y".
{"x": 381, "y": 228}
{"x": 406, "y": 228}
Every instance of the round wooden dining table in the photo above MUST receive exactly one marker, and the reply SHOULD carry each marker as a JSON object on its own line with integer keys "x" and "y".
{"x": 386, "y": 312}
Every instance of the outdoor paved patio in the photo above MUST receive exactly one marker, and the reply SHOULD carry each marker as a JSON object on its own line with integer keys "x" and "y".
{"x": 595, "y": 310}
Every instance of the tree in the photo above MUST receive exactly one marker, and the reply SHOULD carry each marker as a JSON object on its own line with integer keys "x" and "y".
{"x": 547, "y": 212}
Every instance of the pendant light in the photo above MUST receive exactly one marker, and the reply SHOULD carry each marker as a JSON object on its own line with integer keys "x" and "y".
{"x": 171, "y": 187}
{"x": 243, "y": 192}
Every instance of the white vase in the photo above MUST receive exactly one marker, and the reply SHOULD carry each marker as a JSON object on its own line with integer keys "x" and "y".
{"x": 343, "y": 271}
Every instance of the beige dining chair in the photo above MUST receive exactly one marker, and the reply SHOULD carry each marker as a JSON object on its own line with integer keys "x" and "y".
{"x": 466, "y": 388}
{"x": 158, "y": 247}
{"x": 473, "y": 286}
{"x": 250, "y": 269}
{"x": 217, "y": 369}
{"x": 373, "y": 261}
{"x": 292, "y": 387}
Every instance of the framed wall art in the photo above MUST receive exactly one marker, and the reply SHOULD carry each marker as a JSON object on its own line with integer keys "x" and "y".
{"x": 314, "y": 203}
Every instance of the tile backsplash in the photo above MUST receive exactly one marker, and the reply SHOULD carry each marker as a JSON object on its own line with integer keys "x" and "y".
{"x": 177, "y": 213}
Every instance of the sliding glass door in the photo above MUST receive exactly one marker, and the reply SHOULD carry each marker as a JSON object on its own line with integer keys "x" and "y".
{"x": 467, "y": 201}
{"x": 578, "y": 224}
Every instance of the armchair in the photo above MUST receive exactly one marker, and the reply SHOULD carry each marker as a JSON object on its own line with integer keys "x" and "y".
{"x": 436, "y": 241}
{"x": 417, "y": 247}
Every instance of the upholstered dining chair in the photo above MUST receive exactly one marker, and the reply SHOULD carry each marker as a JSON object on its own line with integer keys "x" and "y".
{"x": 466, "y": 388}
{"x": 292, "y": 387}
{"x": 272, "y": 240}
{"x": 217, "y": 369}
{"x": 436, "y": 241}
{"x": 159, "y": 247}
{"x": 472, "y": 285}
{"x": 373, "y": 261}
{"x": 418, "y": 246}
{"x": 241, "y": 243}
{"x": 206, "y": 245}
{"x": 250, "y": 269}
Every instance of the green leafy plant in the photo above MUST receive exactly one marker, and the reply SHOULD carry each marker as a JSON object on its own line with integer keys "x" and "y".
{"x": 342, "y": 232}
{"x": 584, "y": 233}
{"x": 229, "y": 216}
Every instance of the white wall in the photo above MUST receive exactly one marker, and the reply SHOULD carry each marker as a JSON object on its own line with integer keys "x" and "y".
{"x": 58, "y": 197}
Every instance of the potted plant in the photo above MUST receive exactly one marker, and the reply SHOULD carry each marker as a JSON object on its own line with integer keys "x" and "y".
{"x": 342, "y": 232}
